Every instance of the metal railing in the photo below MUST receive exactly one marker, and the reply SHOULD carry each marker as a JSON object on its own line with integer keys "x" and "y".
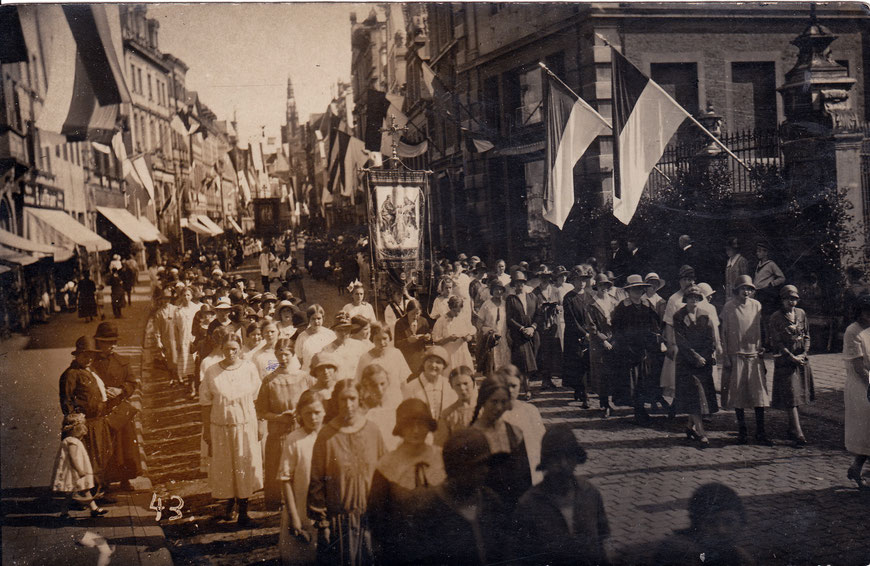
{"x": 761, "y": 151}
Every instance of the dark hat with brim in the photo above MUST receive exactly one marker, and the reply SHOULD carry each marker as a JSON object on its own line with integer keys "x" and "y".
{"x": 687, "y": 271}
{"x": 106, "y": 331}
{"x": 411, "y": 410}
{"x": 85, "y": 344}
{"x": 560, "y": 441}
{"x": 789, "y": 291}
{"x": 602, "y": 279}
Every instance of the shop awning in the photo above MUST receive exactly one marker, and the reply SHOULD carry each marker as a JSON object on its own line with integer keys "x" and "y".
{"x": 209, "y": 223}
{"x": 151, "y": 232}
{"x": 8, "y": 255}
{"x": 194, "y": 226}
{"x": 15, "y": 241}
{"x": 59, "y": 229}
{"x": 123, "y": 221}
{"x": 235, "y": 225}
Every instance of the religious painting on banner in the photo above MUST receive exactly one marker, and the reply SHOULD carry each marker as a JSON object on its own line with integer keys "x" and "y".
{"x": 398, "y": 217}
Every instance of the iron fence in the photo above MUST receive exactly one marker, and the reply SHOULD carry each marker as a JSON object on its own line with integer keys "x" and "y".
{"x": 760, "y": 151}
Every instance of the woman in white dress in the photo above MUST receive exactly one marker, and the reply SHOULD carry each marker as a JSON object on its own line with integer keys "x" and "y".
{"x": 389, "y": 358}
{"x": 856, "y": 393}
{"x": 183, "y": 328}
{"x": 454, "y": 332}
{"x": 439, "y": 305}
{"x": 314, "y": 338}
{"x": 558, "y": 290}
{"x": 229, "y": 419}
{"x": 357, "y": 306}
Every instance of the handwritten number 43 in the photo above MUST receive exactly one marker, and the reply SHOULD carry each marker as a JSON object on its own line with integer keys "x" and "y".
{"x": 157, "y": 505}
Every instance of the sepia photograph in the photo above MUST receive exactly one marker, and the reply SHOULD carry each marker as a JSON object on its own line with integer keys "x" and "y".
{"x": 417, "y": 283}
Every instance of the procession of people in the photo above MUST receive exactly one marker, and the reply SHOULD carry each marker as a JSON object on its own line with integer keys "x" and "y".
{"x": 404, "y": 435}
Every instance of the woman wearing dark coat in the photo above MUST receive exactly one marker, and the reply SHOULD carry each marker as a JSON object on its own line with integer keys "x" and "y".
{"x": 118, "y": 295}
{"x": 446, "y": 535}
{"x": 543, "y": 532}
{"x": 792, "y": 376}
{"x": 575, "y": 357}
{"x": 636, "y": 338}
{"x": 696, "y": 342}
{"x": 87, "y": 298}
{"x": 522, "y": 332}
{"x": 80, "y": 392}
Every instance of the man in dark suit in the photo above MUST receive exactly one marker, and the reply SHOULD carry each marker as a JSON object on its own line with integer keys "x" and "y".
{"x": 636, "y": 262}
{"x": 618, "y": 261}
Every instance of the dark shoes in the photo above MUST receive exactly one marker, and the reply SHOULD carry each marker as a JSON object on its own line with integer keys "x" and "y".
{"x": 761, "y": 438}
{"x": 854, "y": 474}
{"x": 742, "y": 436}
{"x": 98, "y": 512}
{"x": 798, "y": 441}
{"x": 246, "y": 522}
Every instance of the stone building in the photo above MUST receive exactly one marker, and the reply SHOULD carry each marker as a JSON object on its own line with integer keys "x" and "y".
{"x": 730, "y": 58}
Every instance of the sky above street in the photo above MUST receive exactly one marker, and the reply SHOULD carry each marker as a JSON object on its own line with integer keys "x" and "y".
{"x": 240, "y": 56}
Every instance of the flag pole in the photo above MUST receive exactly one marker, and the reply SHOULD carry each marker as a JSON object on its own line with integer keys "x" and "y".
{"x": 577, "y": 96}
{"x": 594, "y": 111}
{"x": 686, "y": 112}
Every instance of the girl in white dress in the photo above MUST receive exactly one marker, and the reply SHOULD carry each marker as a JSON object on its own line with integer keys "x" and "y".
{"x": 185, "y": 312}
{"x": 296, "y": 539}
{"x": 73, "y": 474}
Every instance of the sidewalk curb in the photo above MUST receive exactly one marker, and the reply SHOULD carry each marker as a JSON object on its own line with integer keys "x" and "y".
{"x": 146, "y": 530}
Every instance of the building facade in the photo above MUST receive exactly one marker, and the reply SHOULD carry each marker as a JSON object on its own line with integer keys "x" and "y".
{"x": 730, "y": 58}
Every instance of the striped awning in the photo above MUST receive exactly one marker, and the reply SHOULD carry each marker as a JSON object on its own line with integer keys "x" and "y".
{"x": 210, "y": 224}
{"x": 123, "y": 221}
{"x": 57, "y": 228}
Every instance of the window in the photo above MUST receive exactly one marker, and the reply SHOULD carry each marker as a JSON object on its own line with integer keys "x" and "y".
{"x": 680, "y": 80}
{"x": 530, "y": 97}
{"x": 133, "y": 77}
{"x": 139, "y": 74}
{"x": 65, "y": 155}
{"x": 491, "y": 103}
{"x": 754, "y": 96}
{"x": 150, "y": 91}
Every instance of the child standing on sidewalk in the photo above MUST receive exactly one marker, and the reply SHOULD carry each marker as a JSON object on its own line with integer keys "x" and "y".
{"x": 73, "y": 474}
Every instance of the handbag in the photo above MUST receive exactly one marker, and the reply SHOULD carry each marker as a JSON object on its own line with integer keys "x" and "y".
{"x": 122, "y": 414}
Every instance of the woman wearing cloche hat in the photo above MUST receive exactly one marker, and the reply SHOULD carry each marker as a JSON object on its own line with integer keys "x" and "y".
{"x": 744, "y": 383}
{"x": 789, "y": 337}
{"x": 413, "y": 465}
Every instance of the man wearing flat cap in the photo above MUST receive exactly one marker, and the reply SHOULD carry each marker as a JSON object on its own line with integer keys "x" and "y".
{"x": 120, "y": 383}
